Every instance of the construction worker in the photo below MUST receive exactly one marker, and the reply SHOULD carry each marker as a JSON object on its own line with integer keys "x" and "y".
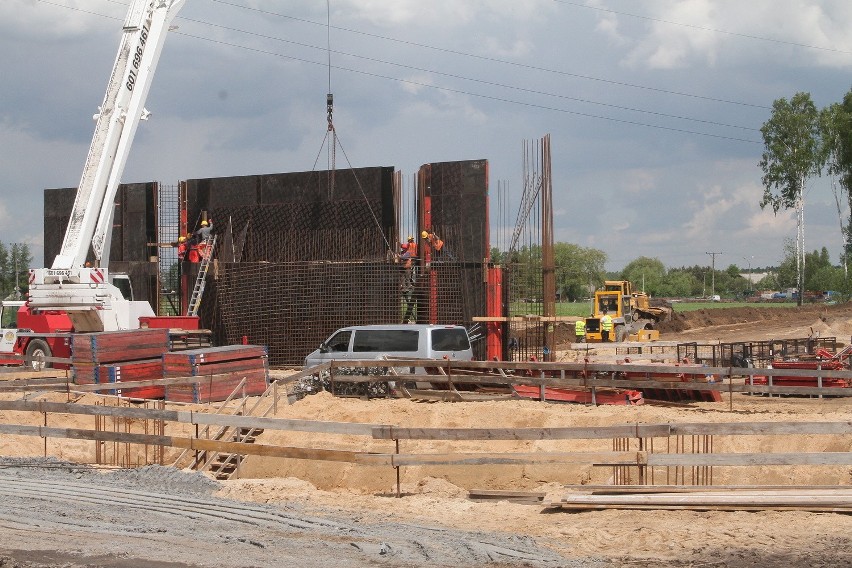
{"x": 580, "y": 330}
{"x": 409, "y": 251}
{"x": 181, "y": 248}
{"x": 433, "y": 241}
{"x": 201, "y": 236}
{"x": 606, "y": 326}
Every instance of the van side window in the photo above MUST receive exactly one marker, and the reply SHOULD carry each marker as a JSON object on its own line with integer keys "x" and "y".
{"x": 380, "y": 340}
{"x": 449, "y": 340}
{"x": 339, "y": 341}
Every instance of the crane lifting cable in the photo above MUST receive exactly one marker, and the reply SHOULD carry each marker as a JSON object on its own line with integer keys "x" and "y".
{"x": 333, "y": 142}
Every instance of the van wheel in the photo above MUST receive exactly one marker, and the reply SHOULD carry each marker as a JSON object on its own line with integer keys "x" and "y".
{"x": 39, "y": 348}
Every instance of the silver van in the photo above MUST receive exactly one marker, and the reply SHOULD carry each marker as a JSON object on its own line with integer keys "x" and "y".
{"x": 416, "y": 341}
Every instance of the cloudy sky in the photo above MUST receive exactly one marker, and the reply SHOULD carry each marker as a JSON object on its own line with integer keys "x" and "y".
{"x": 653, "y": 106}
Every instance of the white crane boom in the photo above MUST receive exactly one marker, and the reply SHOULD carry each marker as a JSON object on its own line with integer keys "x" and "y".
{"x": 118, "y": 117}
{"x": 85, "y": 293}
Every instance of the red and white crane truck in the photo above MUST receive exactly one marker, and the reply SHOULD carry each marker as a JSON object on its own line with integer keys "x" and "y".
{"x": 73, "y": 295}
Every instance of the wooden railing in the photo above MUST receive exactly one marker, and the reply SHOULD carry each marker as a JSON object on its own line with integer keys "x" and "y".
{"x": 639, "y": 459}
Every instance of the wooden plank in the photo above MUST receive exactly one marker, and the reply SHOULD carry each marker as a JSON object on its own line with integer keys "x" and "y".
{"x": 603, "y": 507}
{"x": 750, "y": 459}
{"x": 598, "y": 458}
{"x": 589, "y": 368}
{"x": 739, "y": 499}
{"x": 200, "y": 444}
{"x": 568, "y": 433}
{"x": 624, "y": 489}
{"x": 762, "y": 428}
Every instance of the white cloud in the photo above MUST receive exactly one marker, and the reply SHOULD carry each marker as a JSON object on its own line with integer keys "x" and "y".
{"x": 639, "y": 181}
{"x": 32, "y": 20}
{"x": 680, "y": 33}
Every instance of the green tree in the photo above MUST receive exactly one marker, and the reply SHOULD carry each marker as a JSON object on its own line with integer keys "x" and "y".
{"x": 677, "y": 284}
{"x": 836, "y": 134}
{"x": 5, "y": 272}
{"x": 786, "y": 273}
{"x": 646, "y": 273}
{"x": 577, "y": 270}
{"x": 792, "y": 154}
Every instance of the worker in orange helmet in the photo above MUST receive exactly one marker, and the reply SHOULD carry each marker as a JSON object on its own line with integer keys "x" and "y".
{"x": 409, "y": 251}
{"x": 433, "y": 240}
{"x": 181, "y": 248}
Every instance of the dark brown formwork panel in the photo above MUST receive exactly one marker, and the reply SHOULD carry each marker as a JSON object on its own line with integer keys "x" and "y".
{"x": 357, "y": 198}
{"x": 456, "y": 194}
{"x": 134, "y": 223}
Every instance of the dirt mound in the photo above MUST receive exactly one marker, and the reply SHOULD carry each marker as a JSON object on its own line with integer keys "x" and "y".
{"x": 804, "y": 315}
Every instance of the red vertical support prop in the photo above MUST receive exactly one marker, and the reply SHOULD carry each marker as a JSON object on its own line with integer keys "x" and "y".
{"x": 184, "y": 287}
{"x": 427, "y": 260}
{"x": 494, "y": 309}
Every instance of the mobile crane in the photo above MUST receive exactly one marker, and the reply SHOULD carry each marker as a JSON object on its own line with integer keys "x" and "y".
{"x": 72, "y": 289}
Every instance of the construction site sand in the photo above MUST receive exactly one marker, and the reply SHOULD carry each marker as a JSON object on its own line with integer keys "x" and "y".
{"x": 437, "y": 496}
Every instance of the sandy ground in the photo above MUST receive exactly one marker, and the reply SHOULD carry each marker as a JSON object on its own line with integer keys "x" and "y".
{"x": 329, "y": 513}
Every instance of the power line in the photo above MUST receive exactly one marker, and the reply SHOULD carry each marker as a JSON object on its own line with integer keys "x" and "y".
{"x": 459, "y": 91}
{"x": 702, "y": 28}
{"x": 464, "y": 78}
{"x": 472, "y": 94}
{"x": 498, "y": 60}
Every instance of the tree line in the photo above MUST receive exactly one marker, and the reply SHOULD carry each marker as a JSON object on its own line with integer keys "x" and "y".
{"x": 580, "y": 270}
{"x": 15, "y": 261}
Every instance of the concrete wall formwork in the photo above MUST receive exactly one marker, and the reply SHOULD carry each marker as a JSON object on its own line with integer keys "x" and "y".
{"x": 134, "y": 226}
{"x": 302, "y": 254}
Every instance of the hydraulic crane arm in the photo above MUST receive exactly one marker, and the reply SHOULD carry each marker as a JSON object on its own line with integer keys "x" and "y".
{"x": 145, "y": 29}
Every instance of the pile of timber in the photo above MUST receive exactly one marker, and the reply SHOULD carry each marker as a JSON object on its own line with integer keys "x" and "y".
{"x": 224, "y": 367}
{"x": 113, "y": 357}
{"x": 836, "y": 499}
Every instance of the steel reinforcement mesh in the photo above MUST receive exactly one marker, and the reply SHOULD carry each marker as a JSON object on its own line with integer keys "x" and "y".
{"x": 523, "y": 289}
{"x": 293, "y": 306}
{"x": 758, "y": 354}
{"x": 168, "y": 231}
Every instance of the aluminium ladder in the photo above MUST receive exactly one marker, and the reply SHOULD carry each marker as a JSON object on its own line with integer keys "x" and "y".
{"x": 201, "y": 279}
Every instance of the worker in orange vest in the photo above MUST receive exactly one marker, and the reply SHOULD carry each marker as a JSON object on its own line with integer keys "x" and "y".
{"x": 433, "y": 241}
{"x": 409, "y": 251}
{"x": 181, "y": 248}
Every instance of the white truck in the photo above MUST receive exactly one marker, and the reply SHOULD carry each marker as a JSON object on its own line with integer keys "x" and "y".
{"x": 87, "y": 293}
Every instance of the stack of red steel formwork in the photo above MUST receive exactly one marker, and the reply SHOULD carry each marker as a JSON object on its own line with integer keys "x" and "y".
{"x": 690, "y": 373}
{"x": 579, "y": 395}
{"x": 834, "y": 364}
{"x": 224, "y": 367}
{"x": 119, "y": 357}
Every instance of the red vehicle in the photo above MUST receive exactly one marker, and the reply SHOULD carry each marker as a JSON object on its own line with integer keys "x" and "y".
{"x": 45, "y": 334}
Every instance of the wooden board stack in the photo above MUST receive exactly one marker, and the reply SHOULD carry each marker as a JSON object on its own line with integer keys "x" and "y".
{"x": 120, "y": 356}
{"x": 224, "y": 367}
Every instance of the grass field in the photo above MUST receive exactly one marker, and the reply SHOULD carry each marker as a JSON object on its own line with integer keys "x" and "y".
{"x": 578, "y": 309}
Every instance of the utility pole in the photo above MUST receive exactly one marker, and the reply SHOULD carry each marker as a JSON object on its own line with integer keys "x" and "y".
{"x": 713, "y": 272}
{"x": 749, "y": 259}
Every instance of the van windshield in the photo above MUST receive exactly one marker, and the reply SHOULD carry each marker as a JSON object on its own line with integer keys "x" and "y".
{"x": 450, "y": 340}
{"x": 382, "y": 340}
